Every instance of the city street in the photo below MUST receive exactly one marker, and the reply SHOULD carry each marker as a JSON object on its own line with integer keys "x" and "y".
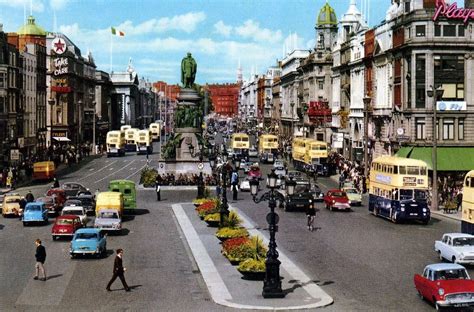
{"x": 363, "y": 262}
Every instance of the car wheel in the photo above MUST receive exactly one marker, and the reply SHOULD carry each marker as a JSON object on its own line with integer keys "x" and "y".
{"x": 285, "y": 206}
{"x": 25, "y": 223}
{"x": 55, "y": 237}
{"x": 394, "y": 218}
{"x": 331, "y": 208}
{"x": 375, "y": 212}
{"x": 73, "y": 256}
{"x": 440, "y": 255}
{"x": 454, "y": 259}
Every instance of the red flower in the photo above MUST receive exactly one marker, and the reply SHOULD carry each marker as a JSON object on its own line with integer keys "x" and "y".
{"x": 234, "y": 243}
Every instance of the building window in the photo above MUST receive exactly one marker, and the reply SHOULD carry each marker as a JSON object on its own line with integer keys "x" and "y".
{"x": 420, "y": 128}
{"x": 449, "y": 73}
{"x": 449, "y": 30}
{"x": 407, "y": 6}
{"x": 408, "y": 32}
{"x": 321, "y": 85}
{"x": 420, "y": 81}
{"x": 437, "y": 30}
{"x": 448, "y": 129}
{"x": 420, "y": 30}
{"x": 461, "y": 129}
{"x": 460, "y": 30}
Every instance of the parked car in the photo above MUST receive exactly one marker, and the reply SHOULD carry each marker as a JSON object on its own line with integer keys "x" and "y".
{"x": 278, "y": 163}
{"x": 76, "y": 211}
{"x": 294, "y": 174}
{"x": 337, "y": 199}
{"x": 73, "y": 188}
{"x": 108, "y": 220}
{"x": 280, "y": 171}
{"x": 35, "y": 212}
{"x": 446, "y": 285}
{"x": 456, "y": 247}
{"x": 355, "y": 198}
{"x": 255, "y": 172}
{"x": 50, "y": 204}
{"x": 245, "y": 186}
{"x": 65, "y": 226}
{"x": 60, "y": 195}
{"x": 11, "y": 205}
{"x": 88, "y": 241}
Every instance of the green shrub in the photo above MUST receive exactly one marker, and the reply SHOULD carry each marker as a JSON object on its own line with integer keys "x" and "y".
{"x": 213, "y": 217}
{"x": 252, "y": 265}
{"x": 148, "y": 177}
{"x": 233, "y": 220}
{"x": 228, "y": 232}
{"x": 240, "y": 253}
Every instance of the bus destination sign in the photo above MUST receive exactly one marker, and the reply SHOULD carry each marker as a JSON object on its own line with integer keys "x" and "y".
{"x": 409, "y": 181}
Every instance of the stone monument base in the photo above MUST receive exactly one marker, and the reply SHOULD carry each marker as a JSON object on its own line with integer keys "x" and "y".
{"x": 184, "y": 167}
{"x": 189, "y": 136}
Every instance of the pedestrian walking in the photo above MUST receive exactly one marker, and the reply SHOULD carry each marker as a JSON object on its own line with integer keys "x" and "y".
{"x": 30, "y": 197}
{"x": 310, "y": 215}
{"x": 119, "y": 271}
{"x": 40, "y": 256}
{"x": 234, "y": 181}
{"x": 55, "y": 183}
{"x": 158, "y": 189}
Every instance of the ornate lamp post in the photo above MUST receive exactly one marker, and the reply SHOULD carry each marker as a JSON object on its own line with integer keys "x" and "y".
{"x": 366, "y": 101}
{"x": 438, "y": 93}
{"x": 200, "y": 154}
{"x": 272, "y": 281}
{"x": 292, "y": 104}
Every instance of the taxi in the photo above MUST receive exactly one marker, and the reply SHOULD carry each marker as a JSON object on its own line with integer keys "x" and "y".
{"x": 11, "y": 205}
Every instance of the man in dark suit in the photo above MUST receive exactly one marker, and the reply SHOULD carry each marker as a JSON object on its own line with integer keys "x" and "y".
{"x": 40, "y": 256}
{"x": 118, "y": 271}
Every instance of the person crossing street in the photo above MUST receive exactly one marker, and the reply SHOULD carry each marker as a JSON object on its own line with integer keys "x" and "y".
{"x": 119, "y": 271}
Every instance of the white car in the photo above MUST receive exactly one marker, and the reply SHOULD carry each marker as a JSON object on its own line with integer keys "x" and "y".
{"x": 280, "y": 171}
{"x": 245, "y": 186}
{"x": 278, "y": 163}
{"x": 456, "y": 247}
{"x": 76, "y": 211}
{"x": 253, "y": 152}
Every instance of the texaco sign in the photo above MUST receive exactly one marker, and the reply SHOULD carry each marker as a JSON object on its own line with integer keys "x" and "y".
{"x": 58, "y": 45}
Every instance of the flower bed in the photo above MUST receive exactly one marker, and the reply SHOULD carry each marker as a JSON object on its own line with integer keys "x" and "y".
{"x": 228, "y": 232}
{"x": 240, "y": 249}
{"x": 252, "y": 269}
{"x": 207, "y": 207}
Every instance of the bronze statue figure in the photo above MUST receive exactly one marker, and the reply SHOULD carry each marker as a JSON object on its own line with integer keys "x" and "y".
{"x": 188, "y": 71}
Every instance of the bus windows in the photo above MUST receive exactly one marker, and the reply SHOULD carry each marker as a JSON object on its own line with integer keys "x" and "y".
{"x": 395, "y": 169}
{"x": 420, "y": 195}
{"x": 403, "y": 170}
{"x": 423, "y": 170}
{"x": 413, "y": 170}
{"x": 406, "y": 194}
{"x": 472, "y": 181}
{"x": 245, "y": 139}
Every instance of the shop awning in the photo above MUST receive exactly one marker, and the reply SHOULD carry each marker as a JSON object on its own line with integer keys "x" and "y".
{"x": 61, "y": 139}
{"x": 448, "y": 158}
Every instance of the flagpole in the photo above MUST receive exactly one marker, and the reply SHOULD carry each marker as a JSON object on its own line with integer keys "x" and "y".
{"x": 111, "y": 50}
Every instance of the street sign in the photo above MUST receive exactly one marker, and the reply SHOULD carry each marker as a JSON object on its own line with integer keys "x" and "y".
{"x": 14, "y": 154}
{"x": 200, "y": 166}
{"x": 161, "y": 167}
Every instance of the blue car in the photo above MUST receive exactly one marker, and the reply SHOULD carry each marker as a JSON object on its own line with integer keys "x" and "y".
{"x": 35, "y": 212}
{"x": 89, "y": 241}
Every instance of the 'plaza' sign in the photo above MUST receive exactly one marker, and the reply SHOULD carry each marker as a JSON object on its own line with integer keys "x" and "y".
{"x": 451, "y": 11}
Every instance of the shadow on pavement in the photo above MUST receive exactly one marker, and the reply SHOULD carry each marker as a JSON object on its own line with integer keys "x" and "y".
{"x": 127, "y": 218}
{"x": 1, "y": 226}
{"x": 139, "y": 212}
{"x": 54, "y": 276}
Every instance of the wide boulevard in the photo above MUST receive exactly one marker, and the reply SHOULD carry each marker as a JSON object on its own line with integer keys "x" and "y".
{"x": 365, "y": 263}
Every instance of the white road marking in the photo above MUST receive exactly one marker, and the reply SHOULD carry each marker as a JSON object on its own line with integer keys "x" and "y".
{"x": 111, "y": 169}
{"x": 129, "y": 163}
{"x": 135, "y": 172}
{"x": 95, "y": 171}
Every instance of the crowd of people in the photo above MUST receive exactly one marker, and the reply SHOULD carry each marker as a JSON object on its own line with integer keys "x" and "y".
{"x": 184, "y": 179}
{"x": 349, "y": 171}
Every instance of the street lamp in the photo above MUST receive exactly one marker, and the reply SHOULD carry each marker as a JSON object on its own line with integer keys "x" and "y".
{"x": 292, "y": 104}
{"x": 51, "y": 103}
{"x": 272, "y": 281}
{"x": 435, "y": 94}
{"x": 366, "y": 101}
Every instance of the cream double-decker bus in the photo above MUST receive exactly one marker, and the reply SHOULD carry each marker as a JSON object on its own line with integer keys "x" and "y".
{"x": 131, "y": 140}
{"x": 398, "y": 189}
{"x": 240, "y": 144}
{"x": 155, "y": 129}
{"x": 144, "y": 142}
{"x": 467, "y": 221}
{"x": 298, "y": 151}
{"x": 267, "y": 147}
{"x": 115, "y": 142}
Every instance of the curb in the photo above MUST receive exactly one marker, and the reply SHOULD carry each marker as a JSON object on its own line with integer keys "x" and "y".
{"x": 216, "y": 286}
{"x": 452, "y": 217}
{"x": 173, "y": 188}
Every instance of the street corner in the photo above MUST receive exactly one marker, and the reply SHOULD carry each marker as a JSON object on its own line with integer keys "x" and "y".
{"x": 227, "y": 286}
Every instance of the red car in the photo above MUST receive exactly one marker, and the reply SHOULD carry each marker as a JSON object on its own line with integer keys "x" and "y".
{"x": 337, "y": 199}
{"x": 254, "y": 173}
{"x": 60, "y": 195}
{"x": 65, "y": 226}
{"x": 446, "y": 285}
{"x": 50, "y": 204}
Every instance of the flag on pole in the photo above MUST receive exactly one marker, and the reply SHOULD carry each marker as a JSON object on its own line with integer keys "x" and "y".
{"x": 117, "y": 32}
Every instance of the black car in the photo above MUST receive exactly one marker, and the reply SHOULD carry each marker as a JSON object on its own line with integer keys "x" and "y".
{"x": 73, "y": 188}
{"x": 302, "y": 198}
{"x": 85, "y": 200}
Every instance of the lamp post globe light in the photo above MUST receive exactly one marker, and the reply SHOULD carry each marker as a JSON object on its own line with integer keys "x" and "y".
{"x": 272, "y": 281}
{"x": 436, "y": 94}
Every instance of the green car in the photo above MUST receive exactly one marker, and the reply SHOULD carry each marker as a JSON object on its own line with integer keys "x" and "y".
{"x": 355, "y": 198}
{"x": 127, "y": 188}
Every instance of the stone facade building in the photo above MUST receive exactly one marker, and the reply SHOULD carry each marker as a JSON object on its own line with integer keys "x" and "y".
{"x": 224, "y": 98}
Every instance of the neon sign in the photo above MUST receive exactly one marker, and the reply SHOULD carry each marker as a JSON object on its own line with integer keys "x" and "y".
{"x": 452, "y": 11}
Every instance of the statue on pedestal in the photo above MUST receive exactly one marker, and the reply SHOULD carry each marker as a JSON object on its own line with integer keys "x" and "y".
{"x": 188, "y": 71}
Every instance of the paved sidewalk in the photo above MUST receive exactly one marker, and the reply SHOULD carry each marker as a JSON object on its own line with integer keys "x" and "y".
{"x": 454, "y": 216}
{"x": 225, "y": 283}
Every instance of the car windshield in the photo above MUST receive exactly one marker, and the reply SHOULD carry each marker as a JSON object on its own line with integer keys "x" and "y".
{"x": 12, "y": 200}
{"x": 64, "y": 222}
{"x": 451, "y": 274}
{"x": 351, "y": 191}
{"x": 86, "y": 236}
{"x": 73, "y": 212}
{"x": 338, "y": 194}
{"x": 463, "y": 241}
{"x": 46, "y": 200}
{"x": 72, "y": 202}
{"x": 34, "y": 208}
{"x": 110, "y": 215}
{"x": 301, "y": 188}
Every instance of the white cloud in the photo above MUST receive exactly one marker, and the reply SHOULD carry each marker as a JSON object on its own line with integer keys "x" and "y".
{"x": 251, "y": 30}
{"x": 186, "y": 22}
{"x": 58, "y": 4}
{"x": 36, "y": 6}
{"x": 222, "y": 29}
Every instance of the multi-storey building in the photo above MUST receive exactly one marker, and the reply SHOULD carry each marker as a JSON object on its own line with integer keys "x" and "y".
{"x": 107, "y": 114}
{"x": 167, "y": 103}
{"x": 248, "y": 101}
{"x": 224, "y": 98}
{"x": 126, "y": 88}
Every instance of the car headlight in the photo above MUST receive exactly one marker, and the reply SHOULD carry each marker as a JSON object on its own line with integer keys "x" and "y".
{"x": 402, "y": 209}
{"x": 333, "y": 201}
{"x": 402, "y": 205}
{"x": 424, "y": 210}
{"x": 310, "y": 201}
{"x": 441, "y": 291}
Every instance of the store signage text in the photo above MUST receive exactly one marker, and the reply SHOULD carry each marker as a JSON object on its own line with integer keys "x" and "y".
{"x": 451, "y": 105}
{"x": 451, "y": 11}
{"x": 61, "y": 66}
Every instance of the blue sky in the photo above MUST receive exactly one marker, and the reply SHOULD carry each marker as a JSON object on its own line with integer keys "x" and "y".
{"x": 158, "y": 33}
